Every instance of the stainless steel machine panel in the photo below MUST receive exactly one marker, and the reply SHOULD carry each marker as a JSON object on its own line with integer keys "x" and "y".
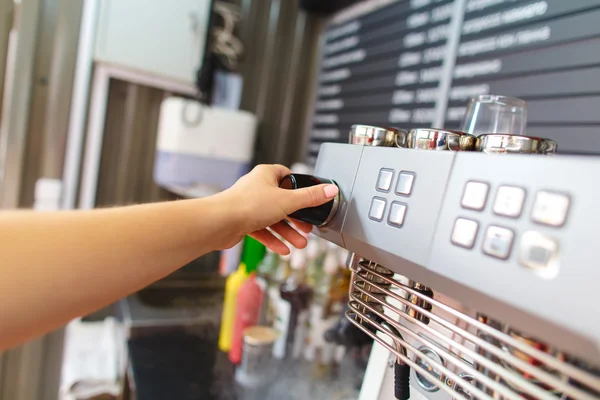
{"x": 541, "y": 258}
{"x": 482, "y": 282}
{"x": 345, "y": 174}
{"x": 397, "y": 197}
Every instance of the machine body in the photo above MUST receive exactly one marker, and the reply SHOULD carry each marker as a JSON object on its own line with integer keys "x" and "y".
{"x": 505, "y": 246}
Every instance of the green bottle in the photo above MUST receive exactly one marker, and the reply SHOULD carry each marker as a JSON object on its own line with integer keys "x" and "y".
{"x": 252, "y": 254}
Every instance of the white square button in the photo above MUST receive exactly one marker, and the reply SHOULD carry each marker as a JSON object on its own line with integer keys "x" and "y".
{"x": 384, "y": 180}
{"x": 509, "y": 201}
{"x": 377, "y": 208}
{"x": 464, "y": 233}
{"x": 397, "y": 213}
{"x": 498, "y": 242}
{"x": 405, "y": 183}
{"x": 550, "y": 208}
{"x": 475, "y": 195}
{"x": 538, "y": 251}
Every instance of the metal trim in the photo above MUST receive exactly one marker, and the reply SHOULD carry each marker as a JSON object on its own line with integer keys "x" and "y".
{"x": 371, "y": 288}
{"x": 98, "y": 106}
{"x": 7, "y": 13}
{"x": 79, "y": 103}
{"x": 13, "y": 141}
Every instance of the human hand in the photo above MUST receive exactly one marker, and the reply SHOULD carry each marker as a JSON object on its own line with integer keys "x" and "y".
{"x": 265, "y": 206}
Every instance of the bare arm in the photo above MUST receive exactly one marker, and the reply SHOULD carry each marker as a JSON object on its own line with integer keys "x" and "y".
{"x": 57, "y": 266}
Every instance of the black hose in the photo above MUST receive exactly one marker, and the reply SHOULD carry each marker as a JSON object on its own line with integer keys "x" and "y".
{"x": 401, "y": 370}
{"x": 401, "y": 381}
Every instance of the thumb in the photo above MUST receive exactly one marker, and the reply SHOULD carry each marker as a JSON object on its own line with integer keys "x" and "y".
{"x": 312, "y": 196}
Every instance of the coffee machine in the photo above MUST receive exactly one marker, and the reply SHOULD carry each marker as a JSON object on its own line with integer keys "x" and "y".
{"x": 473, "y": 262}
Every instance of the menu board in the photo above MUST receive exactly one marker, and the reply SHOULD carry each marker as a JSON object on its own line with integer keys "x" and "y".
{"x": 381, "y": 69}
{"x": 384, "y": 68}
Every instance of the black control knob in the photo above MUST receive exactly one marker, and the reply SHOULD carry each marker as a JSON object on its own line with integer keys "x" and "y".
{"x": 320, "y": 215}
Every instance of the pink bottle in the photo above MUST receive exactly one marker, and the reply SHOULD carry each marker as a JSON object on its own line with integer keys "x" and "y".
{"x": 247, "y": 313}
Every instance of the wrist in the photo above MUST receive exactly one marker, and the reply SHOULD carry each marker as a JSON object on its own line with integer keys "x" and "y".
{"x": 228, "y": 215}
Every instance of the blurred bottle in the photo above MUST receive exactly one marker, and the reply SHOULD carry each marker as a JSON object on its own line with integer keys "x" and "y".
{"x": 278, "y": 312}
{"x": 283, "y": 269}
{"x": 252, "y": 253}
{"x": 321, "y": 317}
{"x": 339, "y": 284}
{"x": 314, "y": 267}
{"x": 331, "y": 295}
{"x": 232, "y": 286}
{"x": 265, "y": 277}
{"x": 247, "y": 311}
{"x": 294, "y": 303}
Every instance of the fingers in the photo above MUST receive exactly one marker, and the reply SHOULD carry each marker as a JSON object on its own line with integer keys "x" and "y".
{"x": 274, "y": 171}
{"x": 290, "y": 234}
{"x": 310, "y": 197}
{"x": 280, "y": 171}
{"x": 301, "y": 226}
{"x": 271, "y": 242}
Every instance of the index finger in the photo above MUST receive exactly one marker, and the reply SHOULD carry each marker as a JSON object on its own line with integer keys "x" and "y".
{"x": 279, "y": 171}
{"x": 304, "y": 227}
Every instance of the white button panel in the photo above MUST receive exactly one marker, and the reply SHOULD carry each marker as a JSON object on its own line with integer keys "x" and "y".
{"x": 377, "y": 208}
{"x": 539, "y": 252}
{"x": 384, "y": 180}
{"x": 464, "y": 233}
{"x": 498, "y": 242}
{"x": 397, "y": 213}
{"x": 475, "y": 195}
{"x": 550, "y": 208}
{"x": 509, "y": 201}
{"x": 405, "y": 183}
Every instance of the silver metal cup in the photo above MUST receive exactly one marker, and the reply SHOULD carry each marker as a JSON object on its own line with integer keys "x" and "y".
{"x": 367, "y": 135}
{"x": 440, "y": 139}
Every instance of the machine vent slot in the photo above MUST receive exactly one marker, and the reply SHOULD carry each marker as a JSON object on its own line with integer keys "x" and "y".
{"x": 466, "y": 356}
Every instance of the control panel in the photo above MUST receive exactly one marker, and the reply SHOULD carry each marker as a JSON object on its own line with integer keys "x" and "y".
{"x": 520, "y": 229}
{"x": 505, "y": 232}
{"x": 395, "y": 202}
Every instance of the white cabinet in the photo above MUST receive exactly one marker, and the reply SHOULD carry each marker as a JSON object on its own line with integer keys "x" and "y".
{"x": 160, "y": 37}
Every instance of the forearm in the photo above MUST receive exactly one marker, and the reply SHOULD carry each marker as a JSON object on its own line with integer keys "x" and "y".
{"x": 70, "y": 264}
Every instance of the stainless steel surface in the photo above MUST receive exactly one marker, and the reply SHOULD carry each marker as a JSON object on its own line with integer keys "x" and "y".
{"x": 471, "y": 358}
{"x": 51, "y": 96}
{"x": 440, "y": 139}
{"x": 7, "y": 10}
{"x": 419, "y": 303}
{"x": 15, "y": 123}
{"x": 452, "y": 334}
{"x": 376, "y": 136}
{"x": 496, "y": 143}
{"x": 78, "y": 111}
{"x": 425, "y": 381}
{"x": 61, "y": 71}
